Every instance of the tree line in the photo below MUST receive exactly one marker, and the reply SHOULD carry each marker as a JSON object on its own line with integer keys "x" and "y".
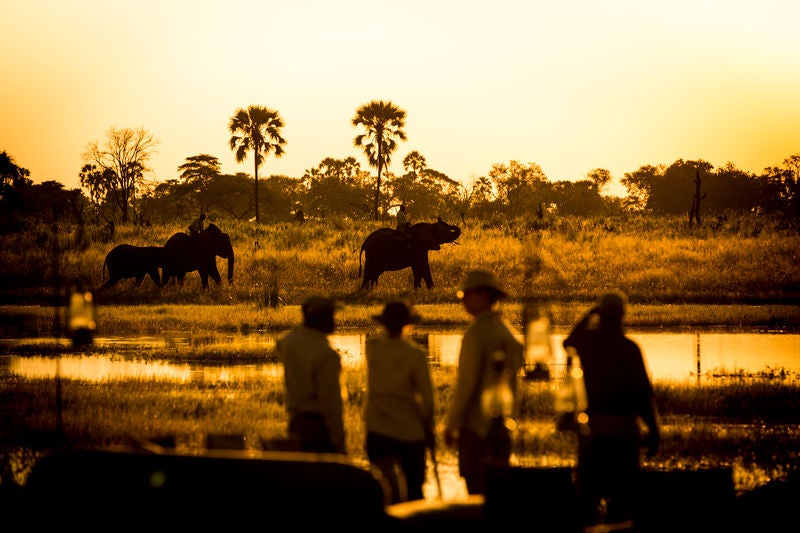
{"x": 114, "y": 188}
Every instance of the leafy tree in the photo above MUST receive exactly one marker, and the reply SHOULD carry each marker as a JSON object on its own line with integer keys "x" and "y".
{"x": 281, "y": 195}
{"x": 336, "y": 186}
{"x": 430, "y": 192}
{"x": 579, "y": 198}
{"x": 672, "y": 192}
{"x": 168, "y": 202}
{"x": 119, "y": 166}
{"x": 232, "y": 195}
{"x": 199, "y": 172}
{"x": 600, "y": 177}
{"x": 200, "y": 169}
{"x": 13, "y": 182}
{"x": 781, "y": 186}
{"x": 639, "y": 185}
{"x": 12, "y": 175}
{"x": 258, "y": 129}
{"x": 382, "y": 122}
{"x": 519, "y": 188}
{"x": 729, "y": 188}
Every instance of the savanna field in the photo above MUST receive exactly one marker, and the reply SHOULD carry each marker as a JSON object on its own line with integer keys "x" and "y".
{"x": 742, "y": 274}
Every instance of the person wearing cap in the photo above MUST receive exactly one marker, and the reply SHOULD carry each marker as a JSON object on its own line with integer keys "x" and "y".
{"x": 619, "y": 395}
{"x": 312, "y": 377}
{"x": 487, "y": 337}
{"x": 399, "y": 407}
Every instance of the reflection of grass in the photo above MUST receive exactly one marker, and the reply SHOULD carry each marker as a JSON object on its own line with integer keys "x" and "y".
{"x": 113, "y": 320}
{"x": 750, "y": 425}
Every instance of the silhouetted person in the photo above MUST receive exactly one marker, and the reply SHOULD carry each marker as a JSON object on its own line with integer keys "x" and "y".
{"x": 490, "y": 355}
{"x": 196, "y": 227}
{"x": 402, "y": 218}
{"x": 312, "y": 377}
{"x": 299, "y": 216}
{"x": 619, "y": 395}
{"x": 399, "y": 408}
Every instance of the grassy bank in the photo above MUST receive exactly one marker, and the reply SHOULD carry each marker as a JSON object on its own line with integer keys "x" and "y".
{"x": 656, "y": 260}
{"x": 148, "y": 319}
{"x": 749, "y": 424}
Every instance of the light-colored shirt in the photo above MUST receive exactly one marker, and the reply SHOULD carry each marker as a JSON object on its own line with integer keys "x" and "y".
{"x": 312, "y": 375}
{"x": 487, "y": 333}
{"x": 399, "y": 390}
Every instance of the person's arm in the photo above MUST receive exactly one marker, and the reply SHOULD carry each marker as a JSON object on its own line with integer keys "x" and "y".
{"x": 576, "y": 336}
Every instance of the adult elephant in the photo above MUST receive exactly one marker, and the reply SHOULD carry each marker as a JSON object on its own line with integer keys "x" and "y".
{"x": 129, "y": 261}
{"x": 389, "y": 249}
{"x": 184, "y": 253}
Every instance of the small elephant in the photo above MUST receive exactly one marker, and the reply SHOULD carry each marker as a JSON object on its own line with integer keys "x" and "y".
{"x": 184, "y": 253}
{"x": 128, "y": 261}
{"x": 389, "y": 249}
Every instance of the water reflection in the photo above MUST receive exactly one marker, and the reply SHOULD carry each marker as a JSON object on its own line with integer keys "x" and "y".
{"x": 679, "y": 357}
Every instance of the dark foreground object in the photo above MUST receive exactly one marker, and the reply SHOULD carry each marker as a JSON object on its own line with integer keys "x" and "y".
{"x": 96, "y": 490}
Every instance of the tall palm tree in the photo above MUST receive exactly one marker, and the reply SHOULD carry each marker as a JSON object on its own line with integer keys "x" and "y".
{"x": 258, "y": 129}
{"x": 383, "y": 121}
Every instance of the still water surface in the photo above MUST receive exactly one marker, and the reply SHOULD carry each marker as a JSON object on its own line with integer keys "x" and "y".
{"x": 676, "y": 357}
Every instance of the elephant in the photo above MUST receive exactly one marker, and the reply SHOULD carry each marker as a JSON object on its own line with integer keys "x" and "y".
{"x": 184, "y": 253}
{"x": 128, "y": 261}
{"x": 389, "y": 249}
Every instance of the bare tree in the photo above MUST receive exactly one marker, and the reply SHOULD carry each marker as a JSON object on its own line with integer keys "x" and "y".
{"x": 122, "y": 162}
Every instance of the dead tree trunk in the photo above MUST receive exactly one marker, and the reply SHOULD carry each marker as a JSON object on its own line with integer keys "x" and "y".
{"x": 694, "y": 211}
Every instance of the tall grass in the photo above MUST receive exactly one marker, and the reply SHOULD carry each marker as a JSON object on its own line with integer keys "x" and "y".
{"x": 749, "y": 424}
{"x": 654, "y": 259}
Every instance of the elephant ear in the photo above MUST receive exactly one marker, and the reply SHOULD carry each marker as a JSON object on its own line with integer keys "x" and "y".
{"x": 425, "y": 236}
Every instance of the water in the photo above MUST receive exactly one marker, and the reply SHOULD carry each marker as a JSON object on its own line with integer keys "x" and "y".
{"x": 675, "y": 357}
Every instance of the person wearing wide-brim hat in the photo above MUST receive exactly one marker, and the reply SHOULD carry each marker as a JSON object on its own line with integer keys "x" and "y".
{"x": 490, "y": 350}
{"x": 399, "y": 405}
{"x": 312, "y": 378}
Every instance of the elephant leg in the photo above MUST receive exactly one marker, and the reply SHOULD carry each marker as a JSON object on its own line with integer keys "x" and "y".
{"x": 204, "y": 279}
{"x": 214, "y": 273}
{"x": 154, "y": 275}
{"x": 370, "y": 277}
{"x": 139, "y": 281}
{"x": 426, "y": 275}
{"x": 417, "y": 278}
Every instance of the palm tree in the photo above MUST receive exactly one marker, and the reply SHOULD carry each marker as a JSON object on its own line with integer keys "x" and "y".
{"x": 258, "y": 129}
{"x": 383, "y": 121}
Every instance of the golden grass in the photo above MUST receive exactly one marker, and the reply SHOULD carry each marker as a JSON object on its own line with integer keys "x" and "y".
{"x": 702, "y": 426}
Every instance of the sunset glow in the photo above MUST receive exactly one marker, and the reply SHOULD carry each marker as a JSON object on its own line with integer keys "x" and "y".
{"x": 571, "y": 86}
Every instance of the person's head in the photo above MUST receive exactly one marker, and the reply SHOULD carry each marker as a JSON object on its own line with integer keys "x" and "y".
{"x": 318, "y": 313}
{"x": 611, "y": 307}
{"x": 479, "y": 291}
{"x": 202, "y": 216}
{"x": 397, "y": 315}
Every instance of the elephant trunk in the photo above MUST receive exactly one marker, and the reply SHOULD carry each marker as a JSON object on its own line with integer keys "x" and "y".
{"x": 230, "y": 267}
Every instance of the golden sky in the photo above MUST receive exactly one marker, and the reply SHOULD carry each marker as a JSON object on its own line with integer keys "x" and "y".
{"x": 572, "y": 85}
